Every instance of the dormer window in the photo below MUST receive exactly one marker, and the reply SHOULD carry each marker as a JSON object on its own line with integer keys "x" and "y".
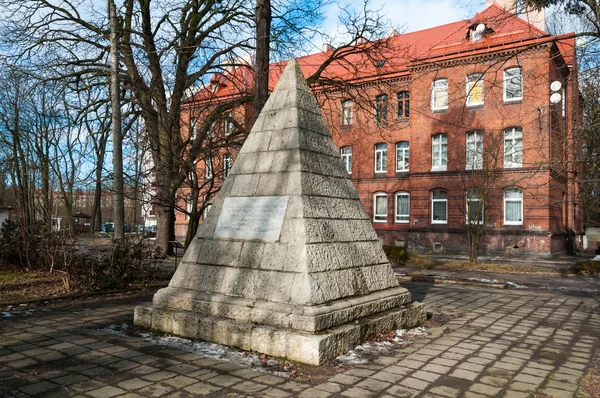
{"x": 478, "y": 31}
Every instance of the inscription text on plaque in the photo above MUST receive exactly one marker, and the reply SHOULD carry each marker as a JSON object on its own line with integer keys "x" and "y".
{"x": 252, "y": 218}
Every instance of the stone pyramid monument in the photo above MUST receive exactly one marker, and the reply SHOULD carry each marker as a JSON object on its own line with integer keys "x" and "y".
{"x": 287, "y": 262}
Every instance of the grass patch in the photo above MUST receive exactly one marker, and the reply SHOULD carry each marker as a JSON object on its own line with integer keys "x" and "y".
{"x": 584, "y": 268}
{"x": 500, "y": 268}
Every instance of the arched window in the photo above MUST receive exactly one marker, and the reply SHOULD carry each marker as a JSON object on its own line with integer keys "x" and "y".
{"x": 513, "y": 147}
{"x": 402, "y": 156}
{"x": 439, "y": 95}
{"x": 513, "y": 84}
{"x": 381, "y": 108}
{"x": 475, "y": 203}
{"x": 513, "y": 206}
{"x": 439, "y": 152}
{"x": 474, "y": 150}
{"x": 475, "y": 89}
{"x": 402, "y": 207}
{"x": 380, "y": 202}
{"x": 439, "y": 206}
{"x": 346, "y": 153}
{"x": 346, "y": 114}
{"x": 380, "y": 157}
{"x": 403, "y": 104}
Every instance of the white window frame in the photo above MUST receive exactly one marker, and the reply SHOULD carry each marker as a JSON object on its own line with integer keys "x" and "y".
{"x": 346, "y": 154}
{"x": 206, "y": 210}
{"x": 433, "y": 201}
{"x": 519, "y": 200}
{"x": 473, "y": 80}
{"x": 346, "y": 113}
{"x": 512, "y": 135}
{"x": 189, "y": 203}
{"x": 468, "y": 199}
{"x": 439, "y": 87}
{"x": 507, "y": 77}
{"x": 193, "y": 127}
{"x": 227, "y": 163}
{"x": 208, "y": 168}
{"x": 401, "y": 218}
{"x": 402, "y": 156}
{"x": 228, "y": 123}
{"x": 474, "y": 150}
{"x": 381, "y": 157}
{"x": 378, "y": 217}
{"x": 438, "y": 147}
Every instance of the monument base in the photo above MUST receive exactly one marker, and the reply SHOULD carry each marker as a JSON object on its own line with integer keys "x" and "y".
{"x": 310, "y": 348}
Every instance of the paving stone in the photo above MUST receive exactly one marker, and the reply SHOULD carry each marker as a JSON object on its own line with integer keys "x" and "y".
{"x": 314, "y": 392}
{"x": 446, "y": 391}
{"x": 464, "y": 374}
{"x": 180, "y": 381}
{"x": 38, "y": 388}
{"x": 485, "y": 389}
{"x": 134, "y": 384}
{"x": 156, "y": 390}
{"x": 345, "y": 379}
{"x": 106, "y": 392}
{"x": 373, "y": 385}
{"x": 356, "y": 392}
{"x": 416, "y": 384}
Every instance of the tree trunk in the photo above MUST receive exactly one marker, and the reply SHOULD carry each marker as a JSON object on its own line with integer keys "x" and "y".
{"x": 261, "y": 68}
{"x": 119, "y": 200}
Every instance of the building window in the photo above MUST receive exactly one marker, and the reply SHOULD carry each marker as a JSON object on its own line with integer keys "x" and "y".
{"x": 513, "y": 84}
{"x": 474, "y": 207}
{"x": 402, "y": 207}
{"x": 439, "y": 152}
{"x": 380, "y": 158}
{"x": 513, "y": 147}
{"x": 513, "y": 206}
{"x": 439, "y": 207}
{"x": 206, "y": 210}
{"x": 346, "y": 113}
{"x": 439, "y": 95}
{"x": 474, "y": 150}
{"x": 193, "y": 127}
{"x": 403, "y": 105}
{"x": 381, "y": 108}
{"x": 208, "y": 168}
{"x": 189, "y": 206}
{"x": 226, "y": 164}
{"x": 346, "y": 153}
{"x": 211, "y": 131}
{"x": 475, "y": 89}
{"x": 380, "y": 207}
{"x": 229, "y": 123}
{"x": 402, "y": 156}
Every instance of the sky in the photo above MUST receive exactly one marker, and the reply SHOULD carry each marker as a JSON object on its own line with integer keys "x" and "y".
{"x": 412, "y": 15}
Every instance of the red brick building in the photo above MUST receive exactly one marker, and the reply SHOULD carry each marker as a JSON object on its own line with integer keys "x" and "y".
{"x": 485, "y": 105}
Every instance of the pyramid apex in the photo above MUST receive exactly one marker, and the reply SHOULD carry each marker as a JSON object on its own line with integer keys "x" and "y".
{"x": 292, "y": 78}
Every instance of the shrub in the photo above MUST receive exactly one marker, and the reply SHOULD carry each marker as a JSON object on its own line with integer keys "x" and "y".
{"x": 395, "y": 254}
{"x": 126, "y": 261}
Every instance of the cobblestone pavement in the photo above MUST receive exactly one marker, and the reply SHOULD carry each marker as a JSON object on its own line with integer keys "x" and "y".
{"x": 506, "y": 343}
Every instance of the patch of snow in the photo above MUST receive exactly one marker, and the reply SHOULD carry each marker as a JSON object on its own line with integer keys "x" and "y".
{"x": 7, "y": 314}
{"x": 596, "y": 258}
{"x": 206, "y": 349}
{"x": 515, "y": 285}
{"x": 363, "y": 353}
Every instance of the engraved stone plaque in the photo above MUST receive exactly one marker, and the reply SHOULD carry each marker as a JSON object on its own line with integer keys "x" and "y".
{"x": 252, "y": 218}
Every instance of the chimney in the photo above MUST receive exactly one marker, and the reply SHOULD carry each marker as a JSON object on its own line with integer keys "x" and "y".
{"x": 327, "y": 47}
{"x": 532, "y": 15}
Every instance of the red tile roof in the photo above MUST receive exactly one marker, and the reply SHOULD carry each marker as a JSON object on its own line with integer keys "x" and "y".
{"x": 504, "y": 31}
